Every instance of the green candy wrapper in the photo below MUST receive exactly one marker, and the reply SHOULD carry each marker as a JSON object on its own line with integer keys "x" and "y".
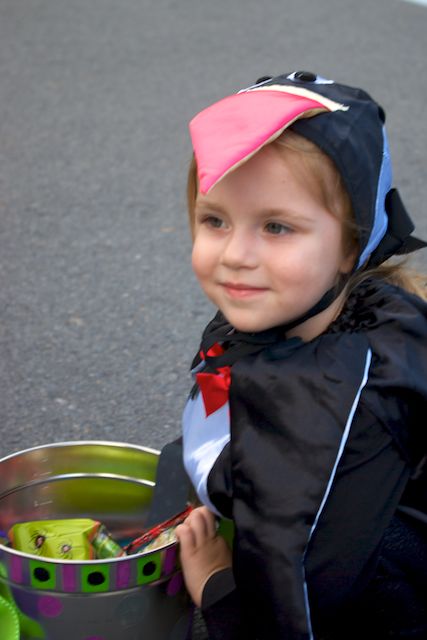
{"x": 71, "y": 539}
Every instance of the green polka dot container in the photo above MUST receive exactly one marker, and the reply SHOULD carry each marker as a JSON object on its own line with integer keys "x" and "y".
{"x": 135, "y": 597}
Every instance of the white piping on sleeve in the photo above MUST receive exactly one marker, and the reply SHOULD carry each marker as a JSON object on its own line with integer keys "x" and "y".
{"x": 332, "y": 477}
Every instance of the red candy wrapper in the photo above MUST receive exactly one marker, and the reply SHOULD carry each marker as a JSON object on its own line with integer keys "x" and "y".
{"x": 154, "y": 532}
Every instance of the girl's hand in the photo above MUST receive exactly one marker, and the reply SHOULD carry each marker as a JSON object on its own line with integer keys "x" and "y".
{"x": 202, "y": 551}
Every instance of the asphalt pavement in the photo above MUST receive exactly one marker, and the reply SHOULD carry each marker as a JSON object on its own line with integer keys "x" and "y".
{"x": 99, "y": 311}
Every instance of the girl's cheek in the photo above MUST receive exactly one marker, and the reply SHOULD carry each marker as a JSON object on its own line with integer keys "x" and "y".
{"x": 198, "y": 262}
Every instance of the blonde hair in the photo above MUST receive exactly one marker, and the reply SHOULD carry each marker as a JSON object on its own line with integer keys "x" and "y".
{"x": 336, "y": 199}
{"x": 192, "y": 191}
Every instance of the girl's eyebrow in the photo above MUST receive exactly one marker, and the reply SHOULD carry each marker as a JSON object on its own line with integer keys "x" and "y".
{"x": 209, "y": 204}
{"x": 288, "y": 214}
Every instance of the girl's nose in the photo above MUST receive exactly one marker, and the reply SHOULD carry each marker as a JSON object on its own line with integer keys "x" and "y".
{"x": 240, "y": 251}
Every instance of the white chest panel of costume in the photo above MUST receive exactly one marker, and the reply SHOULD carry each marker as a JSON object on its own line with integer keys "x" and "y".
{"x": 204, "y": 438}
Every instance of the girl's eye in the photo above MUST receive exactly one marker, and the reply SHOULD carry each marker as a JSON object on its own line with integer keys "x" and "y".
{"x": 277, "y": 228}
{"x": 213, "y": 221}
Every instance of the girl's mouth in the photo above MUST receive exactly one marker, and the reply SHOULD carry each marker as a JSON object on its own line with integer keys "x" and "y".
{"x": 235, "y": 290}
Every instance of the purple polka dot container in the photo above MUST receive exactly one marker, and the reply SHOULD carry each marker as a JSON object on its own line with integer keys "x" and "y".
{"x": 136, "y": 597}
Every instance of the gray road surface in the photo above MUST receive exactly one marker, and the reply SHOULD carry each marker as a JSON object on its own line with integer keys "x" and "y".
{"x": 99, "y": 311}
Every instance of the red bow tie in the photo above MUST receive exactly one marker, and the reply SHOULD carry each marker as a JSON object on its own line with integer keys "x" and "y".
{"x": 214, "y": 386}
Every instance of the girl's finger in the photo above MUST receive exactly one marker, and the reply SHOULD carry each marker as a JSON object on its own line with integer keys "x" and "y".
{"x": 198, "y": 522}
{"x": 186, "y": 537}
{"x": 210, "y": 523}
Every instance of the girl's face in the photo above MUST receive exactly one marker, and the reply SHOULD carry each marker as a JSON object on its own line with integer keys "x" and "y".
{"x": 265, "y": 247}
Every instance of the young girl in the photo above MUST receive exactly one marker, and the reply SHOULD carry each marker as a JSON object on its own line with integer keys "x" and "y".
{"x": 306, "y": 424}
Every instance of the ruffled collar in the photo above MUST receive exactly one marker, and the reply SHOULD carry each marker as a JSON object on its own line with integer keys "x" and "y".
{"x": 359, "y": 311}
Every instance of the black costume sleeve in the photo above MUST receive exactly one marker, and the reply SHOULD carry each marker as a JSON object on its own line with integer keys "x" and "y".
{"x": 221, "y": 608}
{"x": 343, "y": 553}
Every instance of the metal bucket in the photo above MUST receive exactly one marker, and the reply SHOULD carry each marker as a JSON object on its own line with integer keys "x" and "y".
{"x": 136, "y": 597}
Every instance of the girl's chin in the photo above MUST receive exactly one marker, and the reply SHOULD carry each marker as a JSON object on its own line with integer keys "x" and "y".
{"x": 247, "y": 325}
